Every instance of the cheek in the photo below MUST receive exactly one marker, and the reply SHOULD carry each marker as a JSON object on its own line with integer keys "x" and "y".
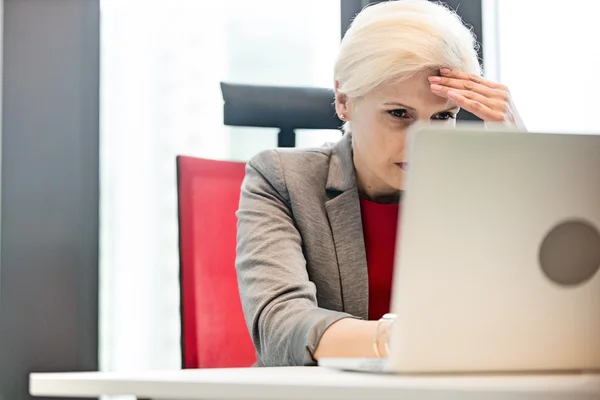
{"x": 388, "y": 141}
{"x": 369, "y": 134}
{"x": 380, "y": 139}
{"x": 394, "y": 141}
{"x": 391, "y": 132}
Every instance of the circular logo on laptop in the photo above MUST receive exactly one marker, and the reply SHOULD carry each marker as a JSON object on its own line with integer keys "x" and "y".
{"x": 570, "y": 253}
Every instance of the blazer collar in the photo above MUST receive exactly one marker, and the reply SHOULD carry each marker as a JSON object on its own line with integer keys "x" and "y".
{"x": 341, "y": 166}
{"x": 343, "y": 212}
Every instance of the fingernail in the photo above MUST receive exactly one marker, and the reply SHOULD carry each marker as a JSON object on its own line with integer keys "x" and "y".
{"x": 435, "y": 79}
{"x": 435, "y": 87}
{"x": 445, "y": 70}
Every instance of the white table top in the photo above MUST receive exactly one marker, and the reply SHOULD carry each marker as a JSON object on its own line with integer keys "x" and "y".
{"x": 311, "y": 383}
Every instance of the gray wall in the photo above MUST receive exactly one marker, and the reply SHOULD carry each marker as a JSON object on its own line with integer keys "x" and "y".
{"x": 49, "y": 190}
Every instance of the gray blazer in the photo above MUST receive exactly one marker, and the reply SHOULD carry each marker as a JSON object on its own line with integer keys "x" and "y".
{"x": 301, "y": 261}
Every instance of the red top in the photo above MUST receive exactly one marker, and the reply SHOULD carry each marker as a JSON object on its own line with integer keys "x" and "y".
{"x": 380, "y": 223}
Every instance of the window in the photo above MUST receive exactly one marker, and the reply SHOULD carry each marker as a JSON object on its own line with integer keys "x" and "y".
{"x": 162, "y": 62}
{"x": 546, "y": 53}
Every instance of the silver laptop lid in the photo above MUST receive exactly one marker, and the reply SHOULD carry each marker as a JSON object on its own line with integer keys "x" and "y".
{"x": 498, "y": 252}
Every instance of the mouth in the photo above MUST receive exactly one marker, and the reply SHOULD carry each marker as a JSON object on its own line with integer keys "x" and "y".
{"x": 403, "y": 165}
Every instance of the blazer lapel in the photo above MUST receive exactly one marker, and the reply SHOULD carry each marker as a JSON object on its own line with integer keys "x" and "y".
{"x": 343, "y": 212}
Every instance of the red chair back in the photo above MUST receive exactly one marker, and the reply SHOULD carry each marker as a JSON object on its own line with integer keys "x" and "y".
{"x": 214, "y": 332}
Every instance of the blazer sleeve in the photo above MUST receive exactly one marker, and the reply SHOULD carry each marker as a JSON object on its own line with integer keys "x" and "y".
{"x": 278, "y": 299}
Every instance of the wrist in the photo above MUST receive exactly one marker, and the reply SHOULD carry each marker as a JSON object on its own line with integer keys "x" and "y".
{"x": 381, "y": 335}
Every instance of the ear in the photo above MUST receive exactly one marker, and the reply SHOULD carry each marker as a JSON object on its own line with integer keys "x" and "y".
{"x": 341, "y": 103}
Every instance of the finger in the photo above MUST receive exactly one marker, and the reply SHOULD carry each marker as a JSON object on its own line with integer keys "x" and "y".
{"x": 469, "y": 85}
{"x": 447, "y": 72}
{"x": 479, "y": 109}
{"x": 492, "y": 103}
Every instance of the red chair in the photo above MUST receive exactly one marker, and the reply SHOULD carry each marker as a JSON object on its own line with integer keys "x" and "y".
{"x": 214, "y": 333}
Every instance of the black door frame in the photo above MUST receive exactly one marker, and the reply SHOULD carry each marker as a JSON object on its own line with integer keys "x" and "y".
{"x": 49, "y": 190}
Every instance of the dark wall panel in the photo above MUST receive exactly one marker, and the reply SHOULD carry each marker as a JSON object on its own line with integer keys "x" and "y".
{"x": 49, "y": 190}
{"x": 471, "y": 12}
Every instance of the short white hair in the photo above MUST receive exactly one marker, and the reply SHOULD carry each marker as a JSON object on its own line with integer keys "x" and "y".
{"x": 396, "y": 39}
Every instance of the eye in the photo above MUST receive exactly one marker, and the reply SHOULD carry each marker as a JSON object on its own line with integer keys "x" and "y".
{"x": 399, "y": 113}
{"x": 444, "y": 116}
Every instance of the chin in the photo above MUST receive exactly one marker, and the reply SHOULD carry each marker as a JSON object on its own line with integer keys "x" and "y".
{"x": 396, "y": 180}
{"x": 396, "y": 184}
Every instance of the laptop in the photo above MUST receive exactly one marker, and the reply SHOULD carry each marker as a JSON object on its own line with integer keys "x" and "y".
{"x": 498, "y": 255}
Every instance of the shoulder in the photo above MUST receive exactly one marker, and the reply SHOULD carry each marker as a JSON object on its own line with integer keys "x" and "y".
{"x": 292, "y": 159}
{"x": 293, "y": 167}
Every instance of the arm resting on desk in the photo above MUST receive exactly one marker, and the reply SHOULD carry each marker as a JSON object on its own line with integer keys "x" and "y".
{"x": 279, "y": 300}
{"x": 347, "y": 338}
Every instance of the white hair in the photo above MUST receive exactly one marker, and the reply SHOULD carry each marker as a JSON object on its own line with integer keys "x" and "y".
{"x": 394, "y": 40}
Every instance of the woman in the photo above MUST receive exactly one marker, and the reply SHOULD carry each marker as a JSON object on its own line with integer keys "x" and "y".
{"x": 317, "y": 227}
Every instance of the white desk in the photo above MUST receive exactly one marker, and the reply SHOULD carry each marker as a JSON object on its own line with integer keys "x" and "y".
{"x": 311, "y": 383}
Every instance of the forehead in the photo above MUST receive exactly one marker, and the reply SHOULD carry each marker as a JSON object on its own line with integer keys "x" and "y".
{"x": 414, "y": 92}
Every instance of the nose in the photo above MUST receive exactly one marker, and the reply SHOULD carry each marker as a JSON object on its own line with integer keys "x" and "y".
{"x": 424, "y": 119}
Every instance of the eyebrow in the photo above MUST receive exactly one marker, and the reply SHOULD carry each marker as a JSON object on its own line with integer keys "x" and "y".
{"x": 413, "y": 109}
